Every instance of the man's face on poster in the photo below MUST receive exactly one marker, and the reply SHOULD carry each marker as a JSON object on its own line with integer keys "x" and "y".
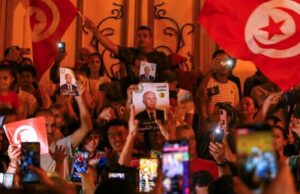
{"x": 147, "y": 70}
{"x": 149, "y": 99}
{"x": 68, "y": 78}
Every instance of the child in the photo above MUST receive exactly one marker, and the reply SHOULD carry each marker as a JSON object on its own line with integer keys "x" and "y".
{"x": 8, "y": 98}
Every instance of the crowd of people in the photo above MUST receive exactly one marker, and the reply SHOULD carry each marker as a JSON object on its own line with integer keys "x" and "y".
{"x": 101, "y": 121}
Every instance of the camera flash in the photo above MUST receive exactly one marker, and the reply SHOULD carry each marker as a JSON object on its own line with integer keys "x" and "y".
{"x": 229, "y": 62}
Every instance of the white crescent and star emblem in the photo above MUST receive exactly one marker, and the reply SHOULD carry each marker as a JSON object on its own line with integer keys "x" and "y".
{"x": 27, "y": 132}
{"x": 44, "y": 20}
{"x": 272, "y": 28}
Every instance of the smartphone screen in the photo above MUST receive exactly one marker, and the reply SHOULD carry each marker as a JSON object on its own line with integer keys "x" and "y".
{"x": 176, "y": 167}
{"x": 257, "y": 161}
{"x": 223, "y": 119}
{"x": 1, "y": 121}
{"x": 147, "y": 174}
{"x": 80, "y": 165}
{"x": 218, "y": 135}
{"x": 30, "y": 155}
{"x": 8, "y": 180}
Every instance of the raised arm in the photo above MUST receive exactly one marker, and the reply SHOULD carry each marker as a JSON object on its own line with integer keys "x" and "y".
{"x": 107, "y": 43}
{"x": 125, "y": 155}
{"x": 85, "y": 120}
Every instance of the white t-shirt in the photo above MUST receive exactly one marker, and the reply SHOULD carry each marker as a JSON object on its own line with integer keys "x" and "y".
{"x": 48, "y": 164}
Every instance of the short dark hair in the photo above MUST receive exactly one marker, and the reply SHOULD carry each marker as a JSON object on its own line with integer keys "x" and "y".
{"x": 8, "y": 111}
{"x": 168, "y": 76}
{"x": 218, "y": 52}
{"x": 201, "y": 178}
{"x": 145, "y": 28}
{"x": 30, "y": 69}
{"x": 117, "y": 122}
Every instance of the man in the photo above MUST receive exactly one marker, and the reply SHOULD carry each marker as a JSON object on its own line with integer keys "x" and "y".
{"x": 144, "y": 40}
{"x": 146, "y": 77}
{"x": 217, "y": 87}
{"x": 68, "y": 143}
{"x": 119, "y": 138}
{"x": 68, "y": 88}
{"x": 150, "y": 113}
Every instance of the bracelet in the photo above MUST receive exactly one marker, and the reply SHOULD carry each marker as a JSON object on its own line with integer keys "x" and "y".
{"x": 13, "y": 166}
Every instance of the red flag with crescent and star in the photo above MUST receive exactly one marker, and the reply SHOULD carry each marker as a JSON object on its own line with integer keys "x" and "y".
{"x": 264, "y": 32}
{"x": 49, "y": 19}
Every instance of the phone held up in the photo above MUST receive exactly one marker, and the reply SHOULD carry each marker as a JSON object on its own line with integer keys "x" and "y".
{"x": 257, "y": 162}
{"x": 30, "y": 155}
{"x": 61, "y": 47}
{"x": 79, "y": 165}
{"x": 175, "y": 159}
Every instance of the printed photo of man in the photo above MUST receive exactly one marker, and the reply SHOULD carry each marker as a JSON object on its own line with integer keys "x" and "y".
{"x": 146, "y": 77}
{"x": 68, "y": 88}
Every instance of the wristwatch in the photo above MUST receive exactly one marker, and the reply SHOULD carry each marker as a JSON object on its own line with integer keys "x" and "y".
{"x": 222, "y": 164}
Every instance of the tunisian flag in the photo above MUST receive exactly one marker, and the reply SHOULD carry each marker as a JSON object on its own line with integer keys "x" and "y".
{"x": 49, "y": 20}
{"x": 30, "y": 130}
{"x": 264, "y": 32}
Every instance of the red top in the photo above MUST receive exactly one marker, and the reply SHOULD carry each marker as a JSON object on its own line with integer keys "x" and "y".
{"x": 11, "y": 100}
{"x": 207, "y": 165}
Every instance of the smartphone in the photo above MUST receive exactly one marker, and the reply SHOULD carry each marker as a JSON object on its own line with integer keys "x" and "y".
{"x": 8, "y": 180}
{"x": 116, "y": 175}
{"x": 1, "y": 121}
{"x": 213, "y": 91}
{"x": 175, "y": 168}
{"x": 147, "y": 174}
{"x": 79, "y": 165}
{"x": 223, "y": 119}
{"x": 30, "y": 155}
{"x": 257, "y": 162}
{"x": 61, "y": 46}
{"x": 218, "y": 135}
{"x": 127, "y": 174}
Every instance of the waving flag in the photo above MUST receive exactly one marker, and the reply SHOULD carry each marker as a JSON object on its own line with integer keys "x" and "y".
{"x": 264, "y": 32}
{"x": 49, "y": 20}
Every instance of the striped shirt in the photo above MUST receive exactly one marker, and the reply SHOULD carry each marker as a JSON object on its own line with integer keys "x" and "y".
{"x": 228, "y": 93}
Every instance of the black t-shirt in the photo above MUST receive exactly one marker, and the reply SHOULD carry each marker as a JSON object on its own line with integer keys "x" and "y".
{"x": 128, "y": 55}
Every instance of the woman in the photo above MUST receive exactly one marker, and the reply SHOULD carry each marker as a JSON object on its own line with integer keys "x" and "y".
{"x": 96, "y": 74}
{"x": 248, "y": 110}
{"x": 280, "y": 141}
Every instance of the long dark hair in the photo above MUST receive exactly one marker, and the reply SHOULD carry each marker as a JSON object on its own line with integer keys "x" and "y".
{"x": 102, "y": 67}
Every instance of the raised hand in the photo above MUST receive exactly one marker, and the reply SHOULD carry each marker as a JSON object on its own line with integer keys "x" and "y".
{"x": 89, "y": 24}
{"x": 59, "y": 154}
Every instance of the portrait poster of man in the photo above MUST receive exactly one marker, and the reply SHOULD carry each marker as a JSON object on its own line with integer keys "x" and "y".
{"x": 151, "y": 102}
{"x": 147, "y": 71}
{"x": 30, "y": 130}
{"x": 68, "y": 85}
